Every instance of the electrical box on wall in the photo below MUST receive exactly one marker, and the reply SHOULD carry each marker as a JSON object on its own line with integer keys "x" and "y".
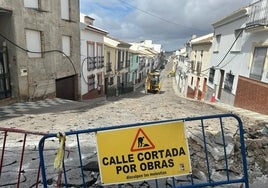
{"x": 23, "y": 72}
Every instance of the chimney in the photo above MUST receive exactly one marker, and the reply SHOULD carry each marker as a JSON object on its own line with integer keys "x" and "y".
{"x": 88, "y": 20}
{"x": 193, "y": 37}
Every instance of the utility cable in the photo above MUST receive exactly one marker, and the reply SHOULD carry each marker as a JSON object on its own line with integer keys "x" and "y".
{"x": 82, "y": 73}
{"x": 158, "y": 17}
{"x": 217, "y": 66}
{"x": 43, "y": 52}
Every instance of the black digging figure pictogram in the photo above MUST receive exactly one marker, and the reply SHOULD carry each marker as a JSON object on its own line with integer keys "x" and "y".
{"x": 141, "y": 143}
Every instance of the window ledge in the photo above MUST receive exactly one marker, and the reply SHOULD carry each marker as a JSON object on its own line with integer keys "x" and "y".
{"x": 235, "y": 51}
{"x": 36, "y": 9}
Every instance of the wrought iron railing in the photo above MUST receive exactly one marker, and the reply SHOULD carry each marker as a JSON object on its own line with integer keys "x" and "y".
{"x": 258, "y": 15}
{"x": 109, "y": 67}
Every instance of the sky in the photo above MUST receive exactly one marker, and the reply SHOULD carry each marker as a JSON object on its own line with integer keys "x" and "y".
{"x": 170, "y": 23}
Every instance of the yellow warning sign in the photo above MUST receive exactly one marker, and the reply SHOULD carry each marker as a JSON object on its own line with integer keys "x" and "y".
{"x": 143, "y": 152}
{"x": 142, "y": 142}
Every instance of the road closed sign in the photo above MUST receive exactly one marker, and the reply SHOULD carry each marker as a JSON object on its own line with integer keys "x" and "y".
{"x": 143, "y": 153}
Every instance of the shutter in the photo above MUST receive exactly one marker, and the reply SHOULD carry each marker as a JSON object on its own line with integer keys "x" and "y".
{"x": 31, "y": 3}
{"x": 33, "y": 42}
{"x": 65, "y": 9}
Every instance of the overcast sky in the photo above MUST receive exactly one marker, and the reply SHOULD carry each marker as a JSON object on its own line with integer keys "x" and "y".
{"x": 167, "y": 22}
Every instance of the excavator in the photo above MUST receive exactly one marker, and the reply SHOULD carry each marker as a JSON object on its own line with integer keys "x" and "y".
{"x": 152, "y": 83}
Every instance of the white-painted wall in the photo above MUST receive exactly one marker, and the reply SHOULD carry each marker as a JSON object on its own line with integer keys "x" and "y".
{"x": 238, "y": 62}
{"x": 233, "y": 60}
{"x": 88, "y": 36}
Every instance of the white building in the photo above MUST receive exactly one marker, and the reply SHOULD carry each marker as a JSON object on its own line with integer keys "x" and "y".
{"x": 200, "y": 53}
{"x": 92, "y": 59}
{"x": 119, "y": 58}
{"x": 239, "y": 65}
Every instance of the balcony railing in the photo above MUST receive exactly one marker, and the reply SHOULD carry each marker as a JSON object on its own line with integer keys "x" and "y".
{"x": 128, "y": 63}
{"x": 91, "y": 63}
{"x": 100, "y": 62}
{"x": 95, "y": 63}
{"x": 258, "y": 15}
{"x": 120, "y": 65}
{"x": 109, "y": 67}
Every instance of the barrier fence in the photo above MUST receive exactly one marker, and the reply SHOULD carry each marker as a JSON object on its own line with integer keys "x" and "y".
{"x": 93, "y": 158}
{"x": 19, "y": 162}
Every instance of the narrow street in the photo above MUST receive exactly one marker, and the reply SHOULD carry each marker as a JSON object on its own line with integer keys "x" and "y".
{"x": 140, "y": 107}
{"x": 130, "y": 108}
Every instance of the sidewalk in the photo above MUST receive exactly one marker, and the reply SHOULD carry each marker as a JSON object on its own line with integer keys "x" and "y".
{"x": 46, "y": 106}
{"x": 42, "y": 106}
{"x": 241, "y": 111}
{"x": 231, "y": 109}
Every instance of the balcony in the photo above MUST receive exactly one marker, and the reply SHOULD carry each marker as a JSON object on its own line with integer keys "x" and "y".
{"x": 120, "y": 65}
{"x": 91, "y": 63}
{"x": 109, "y": 67}
{"x": 258, "y": 16}
{"x": 100, "y": 62}
{"x": 127, "y": 63}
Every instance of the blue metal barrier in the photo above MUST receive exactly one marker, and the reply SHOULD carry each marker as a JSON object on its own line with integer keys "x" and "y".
{"x": 80, "y": 168}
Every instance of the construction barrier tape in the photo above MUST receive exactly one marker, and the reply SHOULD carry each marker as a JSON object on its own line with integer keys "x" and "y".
{"x": 60, "y": 154}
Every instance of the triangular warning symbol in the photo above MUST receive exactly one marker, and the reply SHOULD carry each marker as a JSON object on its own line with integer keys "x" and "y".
{"x": 141, "y": 142}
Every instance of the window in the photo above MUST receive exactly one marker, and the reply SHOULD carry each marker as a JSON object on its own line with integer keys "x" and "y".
{"x": 192, "y": 66}
{"x": 91, "y": 82}
{"x": 65, "y": 15}
{"x": 5, "y": 87}
{"x": 33, "y": 43}
{"x": 198, "y": 67}
{"x": 119, "y": 60}
{"x": 31, "y": 4}
{"x": 258, "y": 62}
{"x": 111, "y": 81}
{"x": 228, "y": 84}
{"x": 100, "y": 61}
{"x": 66, "y": 45}
{"x": 99, "y": 78}
{"x": 91, "y": 63}
{"x": 211, "y": 75}
{"x": 108, "y": 63}
{"x": 108, "y": 57}
{"x": 127, "y": 59}
{"x": 238, "y": 38}
{"x": 91, "y": 57}
{"x": 217, "y": 43}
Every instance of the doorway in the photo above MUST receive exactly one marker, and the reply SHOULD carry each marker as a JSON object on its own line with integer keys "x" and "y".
{"x": 220, "y": 84}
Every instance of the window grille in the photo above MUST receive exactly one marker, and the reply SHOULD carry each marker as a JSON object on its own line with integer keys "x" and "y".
{"x": 229, "y": 80}
{"x": 258, "y": 61}
{"x": 211, "y": 75}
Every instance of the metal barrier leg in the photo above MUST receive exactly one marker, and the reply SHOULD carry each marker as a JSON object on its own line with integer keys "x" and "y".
{"x": 3, "y": 152}
{"x": 21, "y": 159}
{"x": 17, "y": 178}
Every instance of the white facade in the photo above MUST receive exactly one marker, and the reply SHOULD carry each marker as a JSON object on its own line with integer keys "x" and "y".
{"x": 225, "y": 58}
{"x": 122, "y": 60}
{"x": 233, "y": 50}
{"x": 92, "y": 52}
{"x": 199, "y": 62}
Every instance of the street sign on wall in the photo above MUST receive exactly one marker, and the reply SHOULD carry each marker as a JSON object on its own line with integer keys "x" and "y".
{"x": 143, "y": 153}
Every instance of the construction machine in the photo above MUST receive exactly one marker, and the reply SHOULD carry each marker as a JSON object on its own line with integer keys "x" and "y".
{"x": 153, "y": 82}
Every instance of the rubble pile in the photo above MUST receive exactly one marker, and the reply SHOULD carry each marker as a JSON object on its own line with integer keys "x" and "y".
{"x": 256, "y": 142}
